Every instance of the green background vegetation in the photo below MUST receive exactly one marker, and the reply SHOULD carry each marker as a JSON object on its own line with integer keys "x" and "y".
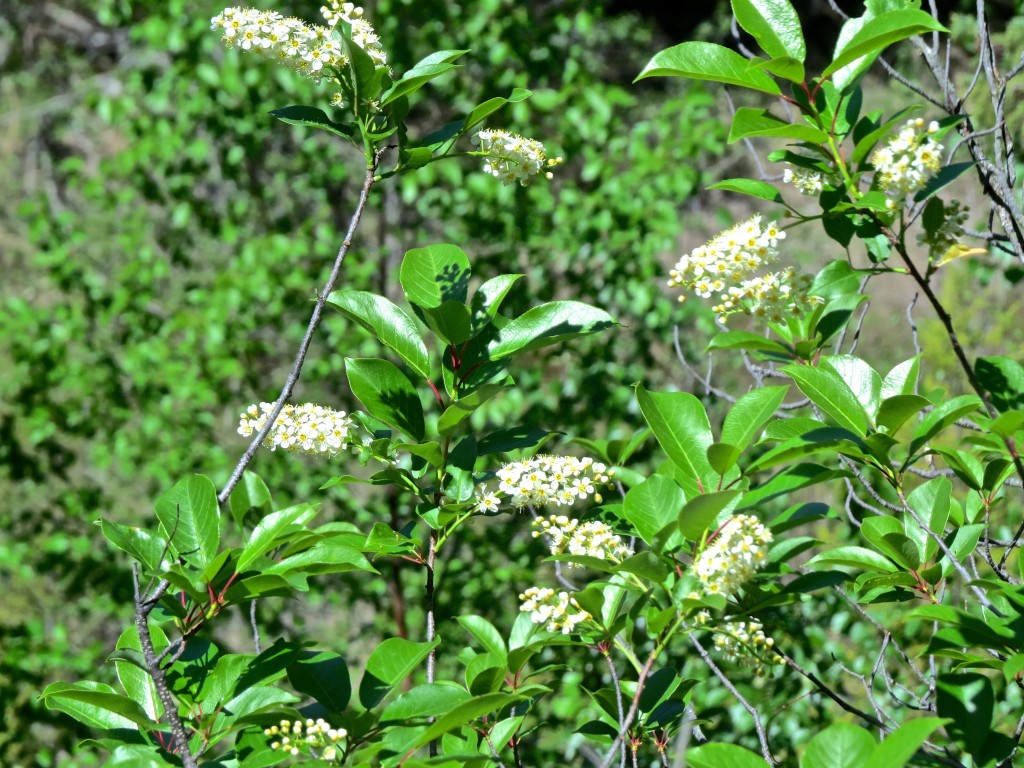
{"x": 161, "y": 244}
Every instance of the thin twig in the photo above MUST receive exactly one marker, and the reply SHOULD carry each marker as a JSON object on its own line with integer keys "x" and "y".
{"x": 618, "y": 701}
{"x": 255, "y": 626}
{"x": 300, "y": 357}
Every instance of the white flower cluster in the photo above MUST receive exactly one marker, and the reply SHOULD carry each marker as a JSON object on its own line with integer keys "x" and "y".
{"x": 593, "y": 538}
{"x": 744, "y": 643}
{"x": 309, "y": 49}
{"x": 806, "y": 181}
{"x": 557, "y": 610}
{"x": 308, "y": 428}
{"x": 908, "y": 161}
{"x": 316, "y": 735}
{"x": 545, "y": 479}
{"x": 732, "y": 556}
{"x": 513, "y": 158}
{"x": 726, "y": 265}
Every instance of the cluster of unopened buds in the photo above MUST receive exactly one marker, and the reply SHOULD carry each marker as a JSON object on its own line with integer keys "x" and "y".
{"x": 908, "y": 161}
{"x": 308, "y": 428}
{"x": 513, "y": 158}
{"x": 591, "y": 539}
{"x": 744, "y": 643}
{"x": 558, "y": 611}
{"x": 309, "y": 49}
{"x": 733, "y": 556}
{"x": 315, "y": 738}
{"x": 726, "y": 265}
{"x": 544, "y": 480}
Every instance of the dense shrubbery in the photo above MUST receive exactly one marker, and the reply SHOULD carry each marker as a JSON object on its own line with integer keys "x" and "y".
{"x": 681, "y": 617}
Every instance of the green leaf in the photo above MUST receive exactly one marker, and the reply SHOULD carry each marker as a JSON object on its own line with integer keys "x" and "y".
{"x": 548, "y": 324}
{"x": 429, "y": 700}
{"x": 466, "y": 405}
{"x": 708, "y": 61}
{"x": 946, "y": 175}
{"x": 860, "y": 377}
{"x": 722, "y": 457}
{"x": 879, "y": 33}
{"x": 137, "y": 682}
{"x": 886, "y": 533}
{"x": 314, "y": 118}
{"x": 901, "y": 380}
{"x": 513, "y": 439}
{"x": 250, "y": 493}
{"x": 857, "y": 557}
{"x": 749, "y": 122}
{"x": 390, "y": 663}
{"x": 701, "y": 511}
{"x": 930, "y": 501}
{"x": 392, "y": 327}
{"x": 899, "y": 746}
{"x": 759, "y": 189}
{"x": 650, "y": 506}
{"x": 842, "y": 745}
{"x": 466, "y": 712}
{"x": 141, "y": 544}
{"x": 420, "y": 75}
{"x": 746, "y": 340}
{"x": 325, "y": 556}
{"x": 190, "y": 518}
{"x": 895, "y": 411}
{"x": 723, "y": 756}
{"x": 324, "y": 676}
{"x": 680, "y": 425}
{"x": 271, "y": 530}
{"x": 942, "y": 416}
{"x": 435, "y": 274}
{"x": 95, "y": 705}
{"x": 775, "y": 26}
{"x": 783, "y": 66}
{"x": 488, "y": 298}
{"x": 830, "y": 393}
{"x": 482, "y": 111}
{"x": 486, "y": 634}
{"x": 968, "y": 700}
{"x": 750, "y": 413}
{"x": 386, "y": 394}
{"x": 254, "y": 701}
{"x": 1003, "y": 379}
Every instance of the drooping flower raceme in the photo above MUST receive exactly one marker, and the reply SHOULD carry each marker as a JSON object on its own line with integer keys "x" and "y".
{"x": 308, "y": 428}
{"x": 559, "y": 611}
{"x": 310, "y": 49}
{"x": 543, "y": 480}
{"x": 908, "y": 161}
{"x": 726, "y": 265}
{"x": 592, "y": 538}
{"x": 734, "y": 554}
{"x": 513, "y": 158}
{"x": 307, "y": 738}
{"x": 744, "y": 643}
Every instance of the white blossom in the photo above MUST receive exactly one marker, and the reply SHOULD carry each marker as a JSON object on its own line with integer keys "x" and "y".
{"x": 744, "y": 643}
{"x": 513, "y": 158}
{"x": 727, "y": 265}
{"x": 806, "y": 181}
{"x": 732, "y": 555}
{"x": 316, "y": 735}
{"x": 543, "y": 480}
{"x": 558, "y": 611}
{"x": 308, "y": 428}
{"x": 592, "y": 538}
{"x": 908, "y": 161}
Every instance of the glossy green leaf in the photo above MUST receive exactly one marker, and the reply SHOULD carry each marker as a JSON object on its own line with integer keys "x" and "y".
{"x": 880, "y": 32}
{"x": 255, "y": 701}
{"x": 860, "y": 377}
{"x": 650, "y": 506}
{"x": 830, "y": 393}
{"x": 747, "y": 122}
{"x": 95, "y": 705}
{"x": 842, "y": 745}
{"x": 488, "y": 299}
{"x": 942, "y": 416}
{"x": 314, "y": 118}
{"x": 720, "y": 755}
{"x": 1003, "y": 379}
{"x": 144, "y": 546}
{"x": 750, "y": 413}
{"x": 946, "y": 176}
{"x": 386, "y": 394}
{"x": 902, "y": 379}
{"x": 775, "y": 26}
{"x": 435, "y": 274}
{"x": 416, "y": 78}
{"x": 250, "y": 493}
{"x": 548, "y": 324}
{"x": 466, "y": 405}
{"x": 486, "y": 634}
{"x": 751, "y": 187}
{"x": 190, "y": 518}
{"x": 931, "y": 501}
{"x": 708, "y": 61}
{"x": 969, "y": 701}
{"x": 513, "y": 439}
{"x": 466, "y": 712}
{"x": 137, "y": 683}
{"x": 700, "y": 512}
{"x": 894, "y": 411}
{"x": 857, "y": 557}
{"x": 722, "y": 457}
{"x": 324, "y": 676}
{"x": 325, "y": 556}
{"x": 680, "y": 425}
{"x": 746, "y": 340}
{"x": 269, "y": 531}
{"x": 389, "y": 323}
{"x": 390, "y": 663}
{"x": 428, "y": 700}
{"x": 899, "y": 746}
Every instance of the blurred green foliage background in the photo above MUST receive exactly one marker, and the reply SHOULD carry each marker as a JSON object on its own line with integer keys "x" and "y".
{"x": 162, "y": 240}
